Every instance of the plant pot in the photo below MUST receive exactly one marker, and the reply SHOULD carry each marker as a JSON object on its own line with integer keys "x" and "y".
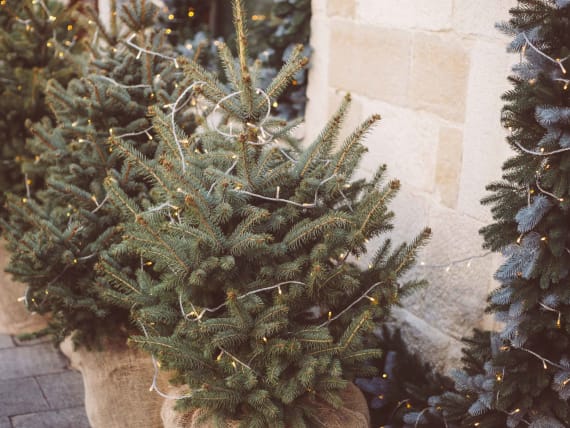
{"x": 14, "y": 317}
{"x": 117, "y": 381}
{"x": 353, "y": 414}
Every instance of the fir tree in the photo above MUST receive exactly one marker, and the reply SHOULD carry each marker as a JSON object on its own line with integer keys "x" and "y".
{"x": 196, "y": 26}
{"x": 57, "y": 234}
{"x": 399, "y": 395}
{"x": 38, "y": 41}
{"x": 523, "y": 373}
{"x": 250, "y": 288}
{"x": 287, "y": 24}
{"x": 185, "y": 18}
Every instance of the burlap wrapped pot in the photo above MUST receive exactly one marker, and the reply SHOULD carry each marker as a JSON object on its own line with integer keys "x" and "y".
{"x": 14, "y": 317}
{"x": 353, "y": 414}
{"x": 117, "y": 381}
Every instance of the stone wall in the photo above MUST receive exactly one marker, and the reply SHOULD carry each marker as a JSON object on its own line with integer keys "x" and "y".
{"x": 434, "y": 70}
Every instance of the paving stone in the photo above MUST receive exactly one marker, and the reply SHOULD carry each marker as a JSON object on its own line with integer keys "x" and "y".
{"x": 30, "y": 361}
{"x": 19, "y": 396}
{"x": 5, "y": 423}
{"x": 62, "y": 390}
{"x": 67, "y": 418}
{"x": 5, "y": 342}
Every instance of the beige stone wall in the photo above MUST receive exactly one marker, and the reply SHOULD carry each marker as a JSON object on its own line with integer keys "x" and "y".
{"x": 434, "y": 70}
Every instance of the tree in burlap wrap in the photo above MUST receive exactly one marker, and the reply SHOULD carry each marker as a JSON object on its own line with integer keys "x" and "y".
{"x": 353, "y": 414}
{"x": 14, "y": 317}
{"x": 117, "y": 382}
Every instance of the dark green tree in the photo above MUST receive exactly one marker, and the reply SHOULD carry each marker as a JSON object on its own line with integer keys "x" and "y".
{"x": 400, "y": 394}
{"x": 57, "y": 234}
{"x": 250, "y": 289}
{"x": 38, "y": 41}
{"x": 276, "y": 27}
{"x": 522, "y": 375}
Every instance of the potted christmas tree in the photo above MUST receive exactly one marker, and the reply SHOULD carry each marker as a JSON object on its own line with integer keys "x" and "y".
{"x": 520, "y": 376}
{"x": 250, "y": 288}
{"x": 38, "y": 41}
{"x": 57, "y": 233}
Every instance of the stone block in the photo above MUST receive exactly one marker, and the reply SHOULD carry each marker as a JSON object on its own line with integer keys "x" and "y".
{"x": 438, "y": 349}
{"x": 479, "y": 17}
{"x": 421, "y": 14}
{"x": 485, "y": 148}
{"x": 440, "y": 71}
{"x": 405, "y": 140}
{"x": 458, "y": 271}
{"x": 30, "y": 361}
{"x": 369, "y": 60}
{"x": 5, "y": 423}
{"x": 317, "y": 90}
{"x": 448, "y": 169}
{"x": 19, "y": 396}
{"x": 66, "y": 418}
{"x": 344, "y": 8}
{"x": 62, "y": 390}
{"x": 6, "y": 341}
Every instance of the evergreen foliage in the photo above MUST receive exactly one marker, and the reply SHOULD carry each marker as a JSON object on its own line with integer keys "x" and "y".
{"x": 57, "y": 234}
{"x": 399, "y": 396}
{"x": 520, "y": 376}
{"x": 287, "y": 24}
{"x": 38, "y": 41}
{"x": 276, "y": 26}
{"x": 250, "y": 289}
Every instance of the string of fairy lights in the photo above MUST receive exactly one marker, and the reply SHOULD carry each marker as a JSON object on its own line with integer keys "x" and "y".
{"x": 195, "y": 314}
{"x": 499, "y": 377}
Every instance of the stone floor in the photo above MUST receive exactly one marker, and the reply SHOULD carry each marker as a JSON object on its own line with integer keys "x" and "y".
{"x": 37, "y": 388}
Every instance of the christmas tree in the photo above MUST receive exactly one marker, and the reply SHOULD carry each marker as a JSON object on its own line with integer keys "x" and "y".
{"x": 399, "y": 395}
{"x": 57, "y": 234}
{"x": 520, "y": 376}
{"x": 183, "y": 19}
{"x": 287, "y": 24}
{"x": 276, "y": 26}
{"x": 250, "y": 287}
{"x": 38, "y": 41}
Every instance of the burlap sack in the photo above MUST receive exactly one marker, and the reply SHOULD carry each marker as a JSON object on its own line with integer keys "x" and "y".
{"x": 117, "y": 382}
{"x": 14, "y": 317}
{"x": 354, "y": 413}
